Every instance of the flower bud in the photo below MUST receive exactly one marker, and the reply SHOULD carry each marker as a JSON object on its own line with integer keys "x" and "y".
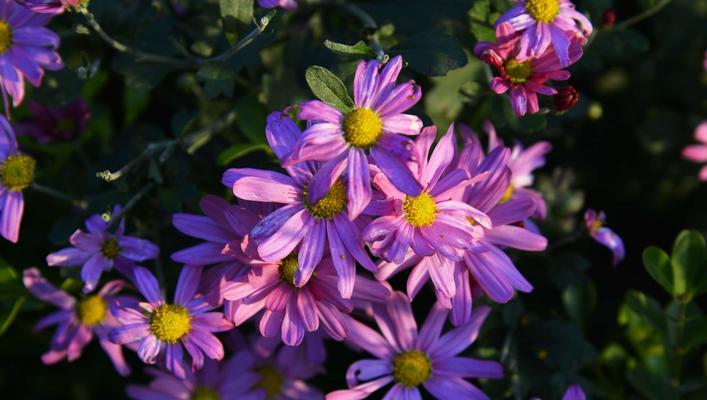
{"x": 565, "y": 98}
{"x": 608, "y": 18}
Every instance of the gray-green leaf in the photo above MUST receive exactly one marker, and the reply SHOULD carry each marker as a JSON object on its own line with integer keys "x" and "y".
{"x": 328, "y": 88}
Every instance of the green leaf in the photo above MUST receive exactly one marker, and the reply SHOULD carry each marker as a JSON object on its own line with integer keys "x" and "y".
{"x": 328, "y": 88}
{"x": 217, "y": 78}
{"x": 657, "y": 263}
{"x": 360, "y": 48}
{"x": 652, "y": 386}
{"x": 10, "y": 285}
{"x": 433, "y": 53}
{"x": 250, "y": 118}
{"x": 239, "y": 150}
{"x": 688, "y": 262}
{"x": 237, "y": 16}
{"x": 579, "y": 301}
{"x": 648, "y": 309}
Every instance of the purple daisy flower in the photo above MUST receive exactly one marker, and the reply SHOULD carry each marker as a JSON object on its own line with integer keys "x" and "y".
{"x": 315, "y": 224}
{"x": 604, "y": 236}
{"x": 26, "y": 49}
{"x": 99, "y": 250}
{"x": 410, "y": 359}
{"x": 286, "y": 4}
{"x": 373, "y": 125}
{"x": 51, "y": 6}
{"x": 163, "y": 328}
{"x": 16, "y": 174}
{"x": 544, "y": 23}
{"x": 52, "y": 124}
{"x": 78, "y": 321}
{"x": 574, "y": 392}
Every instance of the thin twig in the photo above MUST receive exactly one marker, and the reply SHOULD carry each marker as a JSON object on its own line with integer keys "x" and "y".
{"x": 133, "y": 201}
{"x": 59, "y": 195}
{"x": 644, "y": 15}
{"x": 260, "y": 26}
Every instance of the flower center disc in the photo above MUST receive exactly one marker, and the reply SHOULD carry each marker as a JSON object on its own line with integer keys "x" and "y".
{"x": 169, "y": 322}
{"x": 5, "y": 36}
{"x": 92, "y": 310}
{"x": 543, "y": 10}
{"x": 420, "y": 211}
{"x": 411, "y": 368}
{"x": 271, "y": 381}
{"x": 110, "y": 248}
{"x": 518, "y": 72}
{"x": 17, "y": 172}
{"x": 329, "y": 205}
{"x": 362, "y": 128}
{"x": 204, "y": 393}
{"x": 288, "y": 268}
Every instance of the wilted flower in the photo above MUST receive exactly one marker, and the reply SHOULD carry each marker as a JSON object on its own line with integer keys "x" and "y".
{"x": 16, "y": 174}
{"x": 78, "y": 321}
{"x": 698, "y": 152}
{"x": 286, "y": 4}
{"x": 51, "y": 124}
{"x": 51, "y": 6}
{"x": 566, "y": 98}
{"x": 603, "y": 235}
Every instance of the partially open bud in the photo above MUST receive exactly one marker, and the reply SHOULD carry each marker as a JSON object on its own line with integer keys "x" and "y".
{"x": 565, "y": 98}
{"x": 608, "y": 18}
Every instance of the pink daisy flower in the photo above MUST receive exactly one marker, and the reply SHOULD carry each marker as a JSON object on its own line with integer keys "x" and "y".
{"x": 698, "y": 152}
{"x": 78, "y": 321}
{"x": 412, "y": 359}
{"x": 605, "y": 236}
{"x": 523, "y": 78}
{"x": 16, "y": 174}
{"x": 371, "y": 127}
{"x": 163, "y": 328}
{"x": 51, "y": 6}
{"x": 286, "y": 4}
{"x": 544, "y": 23}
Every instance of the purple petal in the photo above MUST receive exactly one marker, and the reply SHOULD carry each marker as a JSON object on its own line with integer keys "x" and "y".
{"x": 137, "y": 249}
{"x": 458, "y": 339}
{"x": 11, "y": 215}
{"x": 187, "y": 284}
{"x": 42, "y": 289}
{"x": 397, "y": 171}
{"x": 281, "y": 243}
{"x": 147, "y": 284}
{"x": 311, "y": 251}
{"x": 359, "y": 189}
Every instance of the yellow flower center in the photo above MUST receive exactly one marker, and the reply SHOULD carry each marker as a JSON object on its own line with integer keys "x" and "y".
{"x": 507, "y": 195}
{"x": 288, "y": 268}
{"x": 65, "y": 125}
{"x": 271, "y": 381}
{"x": 17, "y": 172}
{"x": 518, "y": 72}
{"x": 411, "y": 368}
{"x": 110, "y": 248}
{"x": 5, "y": 36}
{"x": 421, "y": 210}
{"x": 362, "y": 128}
{"x": 331, "y": 204}
{"x": 92, "y": 310}
{"x": 596, "y": 225}
{"x": 543, "y": 10}
{"x": 169, "y": 322}
{"x": 204, "y": 393}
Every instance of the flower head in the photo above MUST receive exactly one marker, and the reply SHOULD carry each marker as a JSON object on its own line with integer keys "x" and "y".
{"x": 698, "y": 152}
{"x": 163, "y": 328}
{"x": 53, "y": 124}
{"x": 16, "y": 174}
{"x": 411, "y": 359}
{"x": 99, "y": 250}
{"x": 51, "y": 6}
{"x": 286, "y": 4}
{"x": 601, "y": 234}
{"x": 78, "y": 321}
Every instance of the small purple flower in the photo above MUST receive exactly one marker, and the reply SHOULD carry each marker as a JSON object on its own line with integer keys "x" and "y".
{"x": 372, "y": 127}
{"x": 16, "y": 174}
{"x": 26, "y": 49}
{"x": 574, "y": 392}
{"x": 603, "y": 235}
{"x": 698, "y": 152}
{"x": 544, "y": 23}
{"x": 98, "y": 250}
{"x": 411, "y": 359}
{"x": 286, "y": 4}
{"x": 163, "y": 328}
{"x": 53, "y": 124}
{"x": 50, "y": 6}
{"x": 78, "y": 321}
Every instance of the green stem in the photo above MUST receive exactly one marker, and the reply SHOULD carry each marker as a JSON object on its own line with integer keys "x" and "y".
{"x": 678, "y": 351}
{"x": 644, "y": 15}
{"x": 13, "y": 314}
{"x": 260, "y": 27}
{"x": 58, "y": 195}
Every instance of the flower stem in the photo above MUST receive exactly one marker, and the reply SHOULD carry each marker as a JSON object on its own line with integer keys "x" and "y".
{"x": 59, "y": 195}
{"x": 644, "y": 15}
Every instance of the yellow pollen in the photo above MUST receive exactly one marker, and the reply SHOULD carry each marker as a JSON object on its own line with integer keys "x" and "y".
{"x": 507, "y": 195}
{"x": 421, "y": 210}
{"x": 411, "y": 368}
{"x": 288, "y": 268}
{"x": 204, "y": 393}
{"x": 543, "y": 10}
{"x": 471, "y": 221}
{"x": 110, "y": 248}
{"x": 92, "y": 310}
{"x": 596, "y": 225}
{"x": 17, "y": 172}
{"x": 330, "y": 205}
{"x": 169, "y": 322}
{"x": 5, "y": 36}
{"x": 362, "y": 128}
{"x": 65, "y": 125}
{"x": 518, "y": 72}
{"x": 271, "y": 381}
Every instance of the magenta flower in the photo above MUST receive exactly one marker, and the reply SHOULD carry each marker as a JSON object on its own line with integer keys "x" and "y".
{"x": 52, "y": 124}
{"x": 603, "y": 235}
{"x": 163, "y": 328}
{"x": 78, "y": 322}
{"x": 698, "y": 152}
{"x": 410, "y": 359}
{"x": 317, "y": 225}
{"x": 26, "y": 48}
{"x": 291, "y": 311}
{"x": 50, "y": 6}
{"x": 286, "y": 4}
{"x": 99, "y": 250}
{"x": 523, "y": 78}
{"x": 16, "y": 174}
{"x": 546, "y": 22}
{"x": 574, "y": 392}
{"x": 372, "y": 126}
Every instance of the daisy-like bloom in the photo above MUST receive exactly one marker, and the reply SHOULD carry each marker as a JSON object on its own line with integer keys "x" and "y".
{"x": 16, "y": 174}
{"x": 286, "y": 4}
{"x": 291, "y": 311}
{"x": 317, "y": 225}
{"x": 99, "y": 250}
{"x": 53, "y": 124}
{"x": 78, "y": 321}
{"x": 163, "y": 328}
{"x": 698, "y": 152}
{"x": 26, "y": 49}
{"x": 371, "y": 127}
{"x": 51, "y": 6}
{"x": 410, "y": 359}
{"x": 523, "y": 78}
{"x": 546, "y": 22}
{"x": 431, "y": 222}
{"x": 603, "y": 235}
{"x": 574, "y": 392}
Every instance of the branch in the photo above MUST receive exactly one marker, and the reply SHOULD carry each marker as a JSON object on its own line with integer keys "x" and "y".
{"x": 644, "y": 15}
